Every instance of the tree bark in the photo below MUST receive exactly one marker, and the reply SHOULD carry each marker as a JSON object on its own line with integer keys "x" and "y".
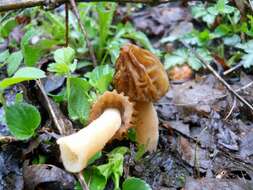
{"x": 6, "y": 5}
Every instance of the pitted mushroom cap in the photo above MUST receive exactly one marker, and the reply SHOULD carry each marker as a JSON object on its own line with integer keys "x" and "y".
{"x": 140, "y": 74}
{"x": 119, "y": 101}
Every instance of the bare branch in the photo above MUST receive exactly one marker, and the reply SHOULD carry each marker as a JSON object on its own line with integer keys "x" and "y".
{"x": 19, "y": 4}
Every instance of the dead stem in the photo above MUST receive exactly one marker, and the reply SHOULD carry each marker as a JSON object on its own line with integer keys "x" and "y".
{"x": 231, "y": 109}
{"x": 20, "y": 4}
{"x": 82, "y": 181}
{"x": 50, "y": 108}
{"x": 7, "y": 139}
{"x": 66, "y": 24}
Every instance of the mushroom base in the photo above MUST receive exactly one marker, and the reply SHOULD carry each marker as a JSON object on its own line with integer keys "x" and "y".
{"x": 78, "y": 148}
{"x": 147, "y": 125}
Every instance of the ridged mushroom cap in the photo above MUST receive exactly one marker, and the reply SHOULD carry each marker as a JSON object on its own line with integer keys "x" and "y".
{"x": 119, "y": 101}
{"x": 140, "y": 74}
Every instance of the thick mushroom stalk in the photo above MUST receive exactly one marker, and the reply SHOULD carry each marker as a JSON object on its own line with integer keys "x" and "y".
{"x": 111, "y": 117}
{"x": 142, "y": 77}
{"x": 147, "y": 117}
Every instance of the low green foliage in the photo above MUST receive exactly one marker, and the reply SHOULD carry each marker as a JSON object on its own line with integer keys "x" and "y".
{"x": 13, "y": 62}
{"x": 64, "y": 64}
{"x": 133, "y": 183}
{"x": 99, "y": 175}
{"x": 101, "y": 77}
{"x": 22, "y": 120}
{"x": 23, "y": 74}
{"x": 184, "y": 56}
{"x": 78, "y": 104}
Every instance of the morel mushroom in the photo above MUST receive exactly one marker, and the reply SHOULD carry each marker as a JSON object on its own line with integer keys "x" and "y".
{"x": 111, "y": 117}
{"x": 142, "y": 77}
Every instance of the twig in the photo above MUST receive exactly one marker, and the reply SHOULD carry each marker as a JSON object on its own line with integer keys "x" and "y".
{"x": 7, "y": 139}
{"x": 230, "y": 89}
{"x": 82, "y": 181}
{"x": 244, "y": 87}
{"x": 66, "y": 24}
{"x": 232, "y": 69}
{"x": 6, "y": 5}
{"x": 231, "y": 109}
{"x": 50, "y": 108}
{"x": 91, "y": 50}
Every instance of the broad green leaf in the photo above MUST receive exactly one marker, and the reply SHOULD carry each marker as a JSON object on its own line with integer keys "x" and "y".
{"x": 247, "y": 60}
{"x": 63, "y": 61}
{"x": 133, "y": 183}
{"x": 22, "y": 120}
{"x": 30, "y": 52}
{"x": 195, "y": 63}
{"x": 54, "y": 24}
{"x": 4, "y": 55}
{"x": 7, "y": 26}
{"x": 184, "y": 56}
{"x": 99, "y": 175}
{"x": 59, "y": 68}
{"x": 178, "y": 57}
{"x": 101, "y": 77}
{"x": 23, "y": 74}
{"x": 78, "y": 104}
{"x": 232, "y": 40}
{"x": 105, "y": 15}
{"x": 13, "y": 62}
{"x": 64, "y": 55}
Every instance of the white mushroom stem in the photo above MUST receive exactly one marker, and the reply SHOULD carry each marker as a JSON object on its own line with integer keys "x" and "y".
{"x": 78, "y": 148}
{"x": 147, "y": 126}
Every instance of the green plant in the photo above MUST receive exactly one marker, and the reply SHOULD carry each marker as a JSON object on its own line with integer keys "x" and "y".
{"x": 22, "y": 120}
{"x": 184, "y": 56}
{"x": 99, "y": 175}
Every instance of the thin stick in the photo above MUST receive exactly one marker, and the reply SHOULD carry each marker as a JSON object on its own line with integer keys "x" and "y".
{"x": 91, "y": 50}
{"x": 240, "y": 98}
{"x": 231, "y": 109}
{"x": 232, "y": 69}
{"x": 7, "y": 139}
{"x": 66, "y": 24}
{"x": 6, "y": 5}
{"x": 50, "y": 107}
{"x": 244, "y": 87}
{"x": 82, "y": 181}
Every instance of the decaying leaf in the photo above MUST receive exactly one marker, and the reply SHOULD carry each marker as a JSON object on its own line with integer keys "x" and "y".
{"x": 47, "y": 177}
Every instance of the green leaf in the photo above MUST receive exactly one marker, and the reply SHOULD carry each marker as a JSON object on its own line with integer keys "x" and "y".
{"x": 99, "y": 175}
{"x": 247, "y": 60}
{"x": 134, "y": 183}
{"x": 23, "y": 74}
{"x": 7, "y": 26}
{"x": 64, "y": 55}
{"x": 105, "y": 15}
{"x": 30, "y": 52}
{"x": 13, "y": 62}
{"x": 78, "y": 104}
{"x": 101, "y": 77}
{"x": 184, "y": 56}
{"x": 178, "y": 57}
{"x": 63, "y": 58}
{"x": 4, "y": 55}
{"x": 22, "y": 120}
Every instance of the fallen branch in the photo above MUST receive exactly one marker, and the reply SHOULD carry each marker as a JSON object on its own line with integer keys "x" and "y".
{"x": 210, "y": 68}
{"x": 20, "y": 4}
